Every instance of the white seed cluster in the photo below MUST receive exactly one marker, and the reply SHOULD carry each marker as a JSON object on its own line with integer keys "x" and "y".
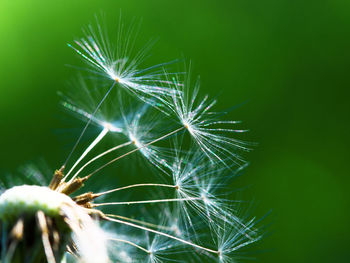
{"x": 28, "y": 199}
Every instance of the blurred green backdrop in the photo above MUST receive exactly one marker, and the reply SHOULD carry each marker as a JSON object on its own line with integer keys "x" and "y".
{"x": 287, "y": 59}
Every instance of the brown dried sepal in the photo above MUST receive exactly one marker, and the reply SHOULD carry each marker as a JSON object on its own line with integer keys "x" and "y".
{"x": 57, "y": 178}
{"x": 75, "y": 185}
{"x": 84, "y": 198}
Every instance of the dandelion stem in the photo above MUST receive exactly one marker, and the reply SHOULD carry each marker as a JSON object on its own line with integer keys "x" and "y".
{"x": 88, "y": 149}
{"x": 135, "y": 150}
{"x": 135, "y": 185}
{"x": 130, "y": 243}
{"x": 148, "y": 201}
{"x": 88, "y": 123}
{"x": 99, "y": 156}
{"x": 162, "y": 234}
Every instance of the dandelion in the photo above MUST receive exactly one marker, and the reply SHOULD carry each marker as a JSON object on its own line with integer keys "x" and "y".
{"x": 179, "y": 214}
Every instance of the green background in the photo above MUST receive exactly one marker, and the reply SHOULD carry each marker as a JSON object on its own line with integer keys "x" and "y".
{"x": 288, "y": 61}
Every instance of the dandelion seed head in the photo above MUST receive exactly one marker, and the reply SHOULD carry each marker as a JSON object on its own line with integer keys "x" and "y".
{"x": 29, "y": 199}
{"x": 26, "y": 201}
{"x": 185, "y": 211}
